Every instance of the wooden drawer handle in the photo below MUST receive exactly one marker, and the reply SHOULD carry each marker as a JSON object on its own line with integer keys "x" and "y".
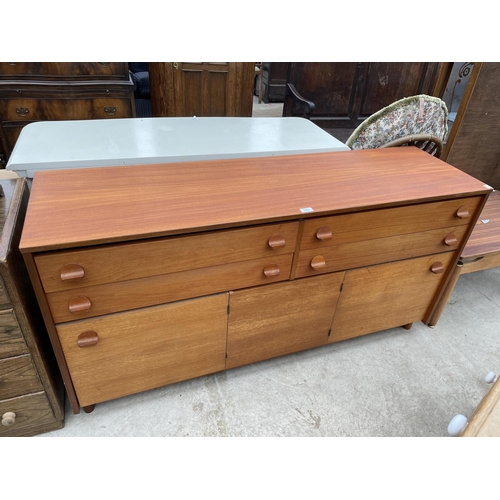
{"x": 8, "y": 419}
{"x": 437, "y": 267}
{"x": 87, "y": 339}
{"x": 450, "y": 240}
{"x": 79, "y": 304}
{"x": 462, "y": 213}
{"x": 324, "y": 233}
{"x": 276, "y": 241}
{"x": 72, "y": 272}
{"x": 318, "y": 262}
{"x": 271, "y": 271}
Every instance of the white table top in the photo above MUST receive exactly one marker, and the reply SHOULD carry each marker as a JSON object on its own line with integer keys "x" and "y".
{"x": 131, "y": 141}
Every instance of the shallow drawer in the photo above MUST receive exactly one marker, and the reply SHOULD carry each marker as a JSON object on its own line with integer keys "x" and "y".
{"x": 31, "y": 411}
{"x": 4, "y": 296}
{"x": 134, "y": 351}
{"x": 68, "y": 70}
{"x": 339, "y": 229}
{"x": 126, "y": 295}
{"x": 64, "y": 109}
{"x": 377, "y": 251}
{"x": 18, "y": 377}
{"x": 112, "y": 263}
{"x": 11, "y": 338}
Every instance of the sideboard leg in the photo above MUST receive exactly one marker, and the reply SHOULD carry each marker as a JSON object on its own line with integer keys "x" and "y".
{"x": 88, "y": 409}
{"x": 407, "y": 326}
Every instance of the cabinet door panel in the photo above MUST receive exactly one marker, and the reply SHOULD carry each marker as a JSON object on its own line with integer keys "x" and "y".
{"x": 274, "y": 320}
{"x": 146, "y": 348}
{"x": 386, "y": 296}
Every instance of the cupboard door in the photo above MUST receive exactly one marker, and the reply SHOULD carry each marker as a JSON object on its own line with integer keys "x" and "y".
{"x": 126, "y": 353}
{"x": 270, "y": 321}
{"x": 386, "y": 296}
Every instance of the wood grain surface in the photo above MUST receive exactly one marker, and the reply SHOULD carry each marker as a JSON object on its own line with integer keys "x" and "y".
{"x": 82, "y": 207}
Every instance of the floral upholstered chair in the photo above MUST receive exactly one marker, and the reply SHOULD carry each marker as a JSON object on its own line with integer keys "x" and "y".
{"x": 419, "y": 120}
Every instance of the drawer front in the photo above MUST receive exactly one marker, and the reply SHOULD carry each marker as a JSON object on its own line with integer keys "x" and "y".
{"x": 340, "y": 229}
{"x": 30, "y": 411}
{"x": 4, "y": 296}
{"x": 376, "y": 251}
{"x": 68, "y": 70}
{"x": 11, "y": 338}
{"x": 18, "y": 377}
{"x": 126, "y": 295}
{"x": 113, "y": 263}
{"x": 64, "y": 109}
{"x": 144, "y": 349}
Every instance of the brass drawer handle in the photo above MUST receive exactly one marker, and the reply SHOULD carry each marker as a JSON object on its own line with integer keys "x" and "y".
{"x": 276, "y": 241}
{"x": 324, "y": 233}
{"x": 8, "y": 418}
{"x": 318, "y": 262}
{"x": 72, "y": 272}
{"x": 271, "y": 271}
{"x": 22, "y": 111}
{"x": 79, "y": 304}
{"x": 450, "y": 240}
{"x": 12, "y": 64}
{"x": 103, "y": 64}
{"x": 437, "y": 268}
{"x": 88, "y": 339}
{"x": 462, "y": 213}
{"x": 110, "y": 110}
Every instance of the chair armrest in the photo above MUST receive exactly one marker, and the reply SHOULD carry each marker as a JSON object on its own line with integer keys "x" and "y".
{"x": 307, "y": 105}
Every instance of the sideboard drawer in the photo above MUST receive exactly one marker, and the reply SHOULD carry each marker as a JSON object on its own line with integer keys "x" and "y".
{"x": 71, "y": 109}
{"x": 30, "y": 411}
{"x": 134, "y": 294}
{"x": 140, "y": 350}
{"x": 361, "y": 226}
{"x": 12, "y": 342}
{"x": 376, "y": 251}
{"x": 18, "y": 377}
{"x": 114, "y": 263}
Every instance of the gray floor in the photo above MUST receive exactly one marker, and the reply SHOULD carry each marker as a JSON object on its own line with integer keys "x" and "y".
{"x": 392, "y": 383}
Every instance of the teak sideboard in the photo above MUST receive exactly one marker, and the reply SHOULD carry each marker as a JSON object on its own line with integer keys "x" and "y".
{"x": 148, "y": 275}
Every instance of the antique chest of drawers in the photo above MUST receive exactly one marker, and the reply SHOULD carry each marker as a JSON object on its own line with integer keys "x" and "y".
{"x": 148, "y": 275}
{"x": 31, "y": 390}
{"x": 31, "y": 92}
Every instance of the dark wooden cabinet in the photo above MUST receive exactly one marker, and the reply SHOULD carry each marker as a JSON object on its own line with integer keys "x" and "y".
{"x": 201, "y": 89}
{"x": 347, "y": 93}
{"x": 274, "y": 81}
{"x": 31, "y": 92}
{"x": 472, "y": 144}
{"x": 31, "y": 390}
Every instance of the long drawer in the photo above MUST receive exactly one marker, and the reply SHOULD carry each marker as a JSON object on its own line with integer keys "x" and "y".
{"x": 12, "y": 342}
{"x": 30, "y": 411}
{"x": 18, "y": 377}
{"x": 67, "y": 270}
{"x": 125, "y": 295}
{"x": 339, "y": 229}
{"x": 376, "y": 251}
{"x": 69, "y": 109}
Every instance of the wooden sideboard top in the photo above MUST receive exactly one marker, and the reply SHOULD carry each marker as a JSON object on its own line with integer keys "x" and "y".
{"x": 81, "y": 207}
